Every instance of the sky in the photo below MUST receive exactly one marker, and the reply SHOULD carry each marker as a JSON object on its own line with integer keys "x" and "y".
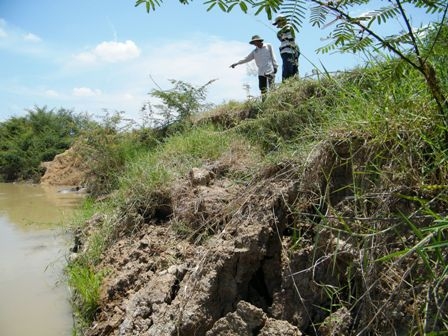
{"x": 103, "y": 56}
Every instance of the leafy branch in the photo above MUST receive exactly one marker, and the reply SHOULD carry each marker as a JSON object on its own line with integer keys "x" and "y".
{"x": 356, "y": 34}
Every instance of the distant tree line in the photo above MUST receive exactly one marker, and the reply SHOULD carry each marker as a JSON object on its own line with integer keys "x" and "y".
{"x": 26, "y": 142}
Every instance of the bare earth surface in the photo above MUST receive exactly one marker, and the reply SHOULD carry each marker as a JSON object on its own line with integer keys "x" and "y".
{"x": 213, "y": 257}
{"x": 66, "y": 169}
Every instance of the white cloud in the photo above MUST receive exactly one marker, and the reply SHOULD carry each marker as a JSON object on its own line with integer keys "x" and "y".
{"x": 15, "y": 39}
{"x": 116, "y": 52}
{"x": 109, "y": 52}
{"x": 86, "y": 92}
{"x": 199, "y": 60}
{"x": 51, "y": 93}
{"x": 85, "y": 58}
{"x": 195, "y": 61}
{"x": 32, "y": 38}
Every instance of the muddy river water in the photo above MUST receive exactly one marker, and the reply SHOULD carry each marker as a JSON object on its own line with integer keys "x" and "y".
{"x": 34, "y": 298}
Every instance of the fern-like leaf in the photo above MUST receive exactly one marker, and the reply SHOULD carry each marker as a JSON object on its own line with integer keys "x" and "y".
{"x": 269, "y": 7}
{"x": 397, "y": 41}
{"x": 342, "y": 34}
{"x": 149, "y": 4}
{"x": 295, "y": 11}
{"x": 228, "y": 5}
{"x": 383, "y": 14}
{"x": 358, "y": 44}
{"x": 431, "y": 6}
{"x": 318, "y": 16}
{"x": 326, "y": 48}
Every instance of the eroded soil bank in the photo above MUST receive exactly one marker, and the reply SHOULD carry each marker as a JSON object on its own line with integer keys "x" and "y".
{"x": 289, "y": 253}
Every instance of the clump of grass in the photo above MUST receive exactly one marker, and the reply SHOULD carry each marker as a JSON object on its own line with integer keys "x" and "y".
{"x": 84, "y": 279}
{"x": 86, "y": 284}
{"x": 175, "y": 158}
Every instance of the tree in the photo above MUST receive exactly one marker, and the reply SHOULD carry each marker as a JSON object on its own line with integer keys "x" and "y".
{"x": 178, "y": 103}
{"x": 355, "y": 34}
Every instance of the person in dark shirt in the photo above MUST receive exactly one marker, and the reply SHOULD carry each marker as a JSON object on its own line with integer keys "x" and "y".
{"x": 289, "y": 50}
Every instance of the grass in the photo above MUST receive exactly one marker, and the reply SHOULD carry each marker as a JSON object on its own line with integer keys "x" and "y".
{"x": 385, "y": 137}
{"x": 86, "y": 284}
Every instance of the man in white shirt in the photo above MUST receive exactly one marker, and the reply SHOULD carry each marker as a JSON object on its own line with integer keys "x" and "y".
{"x": 265, "y": 60}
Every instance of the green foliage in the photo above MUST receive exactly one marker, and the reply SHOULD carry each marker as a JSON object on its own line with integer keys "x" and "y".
{"x": 354, "y": 34}
{"x": 293, "y": 9}
{"x": 178, "y": 104}
{"x": 357, "y": 34}
{"x": 26, "y": 142}
{"x": 105, "y": 148}
{"x": 369, "y": 103}
{"x": 227, "y": 6}
{"x": 86, "y": 284}
{"x": 224, "y": 5}
{"x": 173, "y": 158}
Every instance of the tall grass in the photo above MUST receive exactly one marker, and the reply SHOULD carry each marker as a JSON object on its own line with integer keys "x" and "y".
{"x": 174, "y": 158}
{"x": 86, "y": 284}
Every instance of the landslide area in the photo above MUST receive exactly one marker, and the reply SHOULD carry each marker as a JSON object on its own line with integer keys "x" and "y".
{"x": 66, "y": 169}
{"x": 333, "y": 239}
{"x": 212, "y": 257}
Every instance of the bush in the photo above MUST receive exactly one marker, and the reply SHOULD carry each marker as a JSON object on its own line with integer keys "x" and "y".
{"x": 26, "y": 142}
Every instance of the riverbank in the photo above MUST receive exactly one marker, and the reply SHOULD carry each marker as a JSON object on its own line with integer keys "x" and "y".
{"x": 291, "y": 216}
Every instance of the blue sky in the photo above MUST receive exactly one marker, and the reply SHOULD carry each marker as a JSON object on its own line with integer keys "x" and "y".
{"x": 96, "y": 55}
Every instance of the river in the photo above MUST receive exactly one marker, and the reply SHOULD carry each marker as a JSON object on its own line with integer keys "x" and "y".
{"x": 34, "y": 298}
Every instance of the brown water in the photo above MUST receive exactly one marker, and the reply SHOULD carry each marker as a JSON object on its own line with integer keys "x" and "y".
{"x": 34, "y": 298}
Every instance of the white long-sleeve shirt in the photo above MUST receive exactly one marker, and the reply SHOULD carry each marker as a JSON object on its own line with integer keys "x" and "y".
{"x": 264, "y": 59}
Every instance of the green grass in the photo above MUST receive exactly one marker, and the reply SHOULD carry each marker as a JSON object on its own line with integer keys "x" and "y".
{"x": 86, "y": 284}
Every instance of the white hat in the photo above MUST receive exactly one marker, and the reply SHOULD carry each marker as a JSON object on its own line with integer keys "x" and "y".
{"x": 255, "y": 38}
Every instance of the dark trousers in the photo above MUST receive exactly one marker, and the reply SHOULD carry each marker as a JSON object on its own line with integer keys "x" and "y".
{"x": 265, "y": 82}
{"x": 290, "y": 65}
